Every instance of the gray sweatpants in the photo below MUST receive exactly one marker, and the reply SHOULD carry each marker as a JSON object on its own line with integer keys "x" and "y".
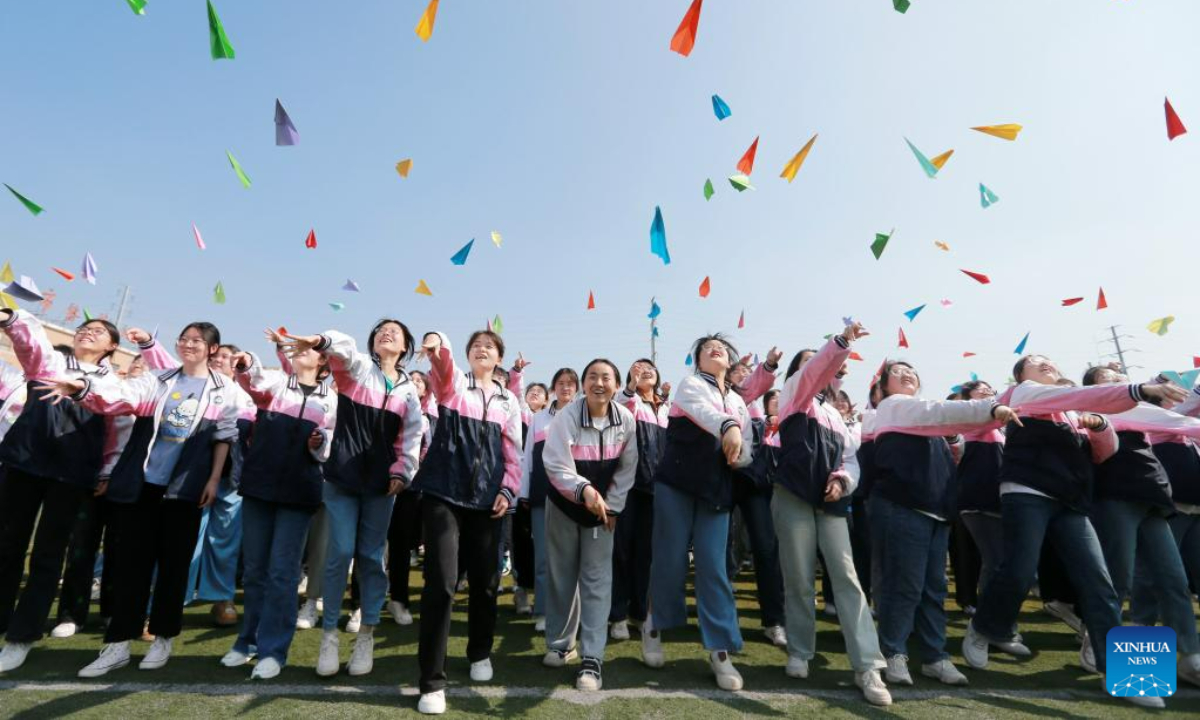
{"x": 578, "y": 584}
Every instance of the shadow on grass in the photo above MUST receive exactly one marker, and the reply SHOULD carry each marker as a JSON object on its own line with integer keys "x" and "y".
{"x": 66, "y": 705}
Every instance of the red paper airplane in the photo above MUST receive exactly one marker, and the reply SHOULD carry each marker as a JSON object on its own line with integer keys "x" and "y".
{"x": 979, "y": 277}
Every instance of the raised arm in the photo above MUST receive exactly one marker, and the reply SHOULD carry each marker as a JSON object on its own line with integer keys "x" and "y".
{"x": 260, "y": 384}
{"x": 1033, "y": 398}
{"x": 818, "y": 372}
{"x": 344, "y": 355}
{"x": 932, "y": 418}
{"x": 1151, "y": 418}
{"x": 35, "y": 353}
{"x": 110, "y": 395}
{"x": 153, "y": 353}
{"x": 443, "y": 372}
{"x": 761, "y": 380}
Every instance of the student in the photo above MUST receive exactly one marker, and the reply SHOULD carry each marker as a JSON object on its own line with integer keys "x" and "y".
{"x": 752, "y": 492}
{"x": 911, "y": 506}
{"x": 868, "y": 549}
{"x": 632, "y": 554}
{"x": 535, "y": 484}
{"x": 1131, "y": 504}
{"x": 168, "y": 472}
{"x": 404, "y": 530}
{"x": 375, "y": 453}
{"x": 470, "y": 478}
{"x": 51, "y": 458}
{"x": 281, "y": 486}
{"x": 12, "y": 396}
{"x": 708, "y": 437}
{"x": 537, "y": 396}
{"x": 1045, "y": 494}
{"x": 591, "y": 458}
{"x": 810, "y": 509}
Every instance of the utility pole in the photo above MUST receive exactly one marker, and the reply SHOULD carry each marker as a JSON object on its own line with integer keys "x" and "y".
{"x": 123, "y": 307}
{"x": 1119, "y": 353}
{"x": 654, "y": 341}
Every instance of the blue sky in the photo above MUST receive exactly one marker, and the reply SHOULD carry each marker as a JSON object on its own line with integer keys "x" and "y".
{"x": 563, "y": 125}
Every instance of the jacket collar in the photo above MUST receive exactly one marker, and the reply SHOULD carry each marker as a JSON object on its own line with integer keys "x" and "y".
{"x": 501, "y": 392}
{"x": 322, "y": 386}
{"x": 712, "y": 380}
{"x": 585, "y": 417}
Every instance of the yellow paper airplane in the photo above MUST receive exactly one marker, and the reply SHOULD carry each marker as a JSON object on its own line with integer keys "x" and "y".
{"x": 497, "y": 238}
{"x": 424, "y": 27}
{"x": 1007, "y": 131}
{"x": 940, "y": 160}
{"x": 422, "y": 288}
{"x": 404, "y": 166}
{"x": 794, "y": 164}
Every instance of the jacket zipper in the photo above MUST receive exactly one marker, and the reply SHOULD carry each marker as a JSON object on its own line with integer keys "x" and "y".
{"x": 478, "y": 444}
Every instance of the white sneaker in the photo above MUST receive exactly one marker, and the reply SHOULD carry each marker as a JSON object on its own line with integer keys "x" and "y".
{"x": 1014, "y": 647}
{"x": 652, "y": 649}
{"x": 362, "y": 657}
{"x": 1066, "y": 613}
{"x": 64, "y": 630}
{"x": 975, "y": 648}
{"x": 776, "y": 635}
{"x": 830, "y": 610}
{"x": 399, "y": 613}
{"x": 112, "y": 657}
{"x": 95, "y": 589}
{"x": 619, "y": 630}
{"x": 302, "y": 588}
{"x": 158, "y": 655}
{"x": 481, "y": 671}
{"x": 796, "y": 668}
{"x": 354, "y": 624}
{"x": 1087, "y": 654}
{"x": 897, "y": 670}
{"x": 13, "y": 655}
{"x": 728, "y": 678}
{"x": 433, "y": 703}
{"x": 539, "y": 624}
{"x": 1189, "y": 668}
{"x": 873, "y": 688}
{"x": 559, "y": 658}
{"x": 588, "y": 679}
{"x": 235, "y": 658}
{"x": 521, "y": 601}
{"x": 306, "y": 619}
{"x": 327, "y": 659}
{"x": 944, "y": 672}
{"x": 265, "y": 669}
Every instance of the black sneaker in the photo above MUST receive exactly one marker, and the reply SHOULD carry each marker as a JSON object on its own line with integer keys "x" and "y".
{"x": 588, "y": 679}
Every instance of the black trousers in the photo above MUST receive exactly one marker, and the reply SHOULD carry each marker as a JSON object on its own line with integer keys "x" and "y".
{"x": 75, "y": 597}
{"x": 449, "y": 529}
{"x": 152, "y": 532}
{"x": 860, "y": 543}
{"x": 631, "y": 558}
{"x": 966, "y": 563}
{"x": 522, "y": 546}
{"x": 404, "y": 536}
{"x": 23, "y": 614}
{"x": 755, "y": 504}
{"x": 1053, "y": 581}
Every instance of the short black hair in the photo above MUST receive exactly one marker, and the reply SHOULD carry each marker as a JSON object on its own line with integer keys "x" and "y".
{"x": 657, "y": 374}
{"x": 208, "y": 331}
{"x": 408, "y": 341}
{"x": 887, "y": 371}
{"x": 794, "y": 365}
{"x": 729, "y": 349}
{"x": 495, "y": 338}
{"x": 602, "y": 361}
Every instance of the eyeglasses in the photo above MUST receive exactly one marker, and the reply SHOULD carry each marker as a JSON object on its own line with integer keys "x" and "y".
{"x": 91, "y": 331}
{"x": 900, "y": 371}
{"x": 192, "y": 341}
{"x": 710, "y": 346}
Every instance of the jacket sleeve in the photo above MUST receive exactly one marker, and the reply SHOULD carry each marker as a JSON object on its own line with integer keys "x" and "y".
{"x": 321, "y": 452}
{"x": 511, "y": 447}
{"x": 407, "y": 444}
{"x": 626, "y": 472}
{"x": 691, "y": 401}
{"x": 156, "y": 356}
{"x": 850, "y": 461}
{"x": 227, "y": 429}
{"x": 285, "y": 362}
{"x": 931, "y": 418}
{"x": 11, "y": 380}
{"x": 443, "y": 372}
{"x": 110, "y": 395}
{"x": 35, "y": 353}
{"x": 759, "y": 382}
{"x": 819, "y": 371}
{"x": 1151, "y": 418}
{"x": 560, "y": 463}
{"x": 116, "y": 433}
{"x": 1104, "y": 442}
{"x": 1032, "y": 398}
{"x": 1191, "y": 406}
{"x": 260, "y": 384}
{"x": 527, "y": 465}
{"x": 344, "y": 356}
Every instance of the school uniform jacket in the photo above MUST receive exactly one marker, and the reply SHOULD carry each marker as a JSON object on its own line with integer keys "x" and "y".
{"x": 979, "y": 470}
{"x": 144, "y": 397}
{"x": 1051, "y": 454}
{"x": 64, "y": 442}
{"x": 1179, "y": 455}
{"x": 12, "y": 396}
{"x": 651, "y": 436}
{"x": 535, "y": 483}
{"x": 693, "y": 462}
{"x": 865, "y": 456}
{"x": 377, "y": 433}
{"x": 913, "y": 464}
{"x": 578, "y": 454}
{"x": 813, "y": 436}
{"x": 761, "y": 380}
{"x": 280, "y": 466}
{"x": 475, "y": 454}
{"x": 1135, "y": 473}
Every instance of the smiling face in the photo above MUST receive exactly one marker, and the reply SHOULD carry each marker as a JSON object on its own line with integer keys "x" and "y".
{"x": 714, "y": 357}
{"x": 901, "y": 380}
{"x": 483, "y": 354}
{"x": 842, "y": 403}
{"x": 418, "y": 381}
{"x": 565, "y": 388}
{"x": 1040, "y": 369}
{"x": 1108, "y": 376}
{"x": 389, "y": 340}
{"x": 535, "y": 398}
{"x": 739, "y": 373}
{"x": 599, "y": 383}
{"x": 93, "y": 339}
{"x": 644, "y": 376}
{"x": 304, "y": 361}
{"x": 982, "y": 392}
{"x": 193, "y": 348}
{"x": 219, "y": 361}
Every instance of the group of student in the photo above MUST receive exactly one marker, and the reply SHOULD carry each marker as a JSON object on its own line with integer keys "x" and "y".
{"x": 612, "y": 487}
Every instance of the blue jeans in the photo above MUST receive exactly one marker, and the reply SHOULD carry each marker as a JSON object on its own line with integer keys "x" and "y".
{"x": 212, "y": 575}
{"x": 1143, "y": 606}
{"x": 271, "y": 548}
{"x": 1029, "y": 520}
{"x": 912, "y": 594}
{"x": 681, "y": 521}
{"x": 1130, "y": 530}
{"x": 358, "y": 527}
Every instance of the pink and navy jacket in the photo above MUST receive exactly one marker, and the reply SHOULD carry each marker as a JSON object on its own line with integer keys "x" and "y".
{"x": 64, "y": 442}
{"x": 813, "y": 436}
{"x": 280, "y": 466}
{"x": 693, "y": 462}
{"x": 476, "y": 451}
{"x": 1051, "y": 454}
{"x": 914, "y": 467}
{"x": 144, "y": 397}
{"x": 377, "y": 435}
{"x": 1179, "y": 454}
{"x": 535, "y": 482}
{"x": 761, "y": 380}
{"x": 865, "y": 456}
{"x": 651, "y": 436}
{"x": 578, "y": 454}
{"x": 12, "y": 396}
{"x": 979, "y": 470}
{"x": 1134, "y": 473}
